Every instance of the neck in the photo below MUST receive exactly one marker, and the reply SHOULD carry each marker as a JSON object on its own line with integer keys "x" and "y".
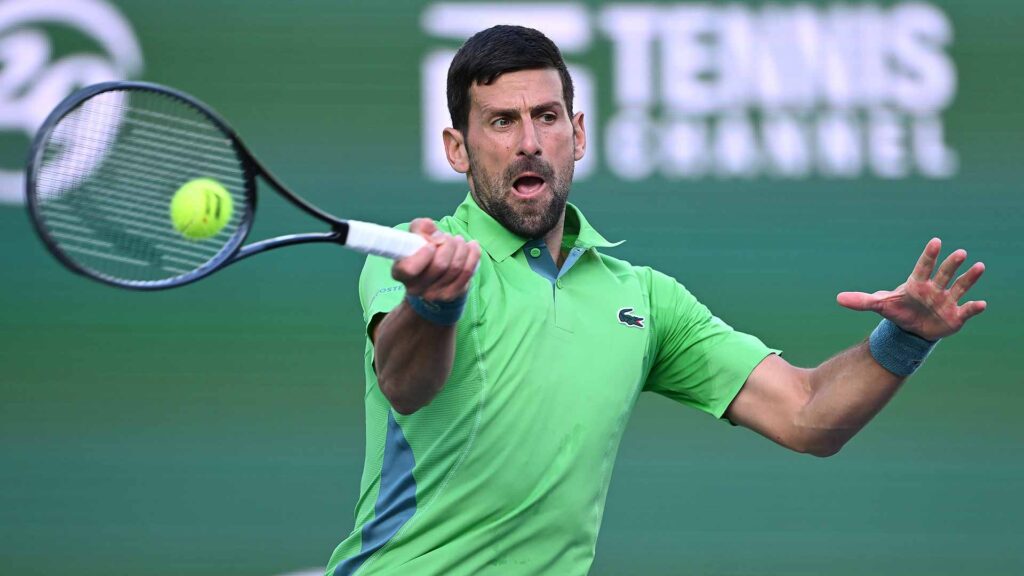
{"x": 554, "y": 240}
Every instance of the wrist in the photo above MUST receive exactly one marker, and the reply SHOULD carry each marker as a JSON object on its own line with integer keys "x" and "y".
{"x": 897, "y": 350}
{"x": 442, "y": 313}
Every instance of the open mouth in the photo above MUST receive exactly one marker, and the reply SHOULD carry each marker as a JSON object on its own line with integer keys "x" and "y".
{"x": 528, "y": 184}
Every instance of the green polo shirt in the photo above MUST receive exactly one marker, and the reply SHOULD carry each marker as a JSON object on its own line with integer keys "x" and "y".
{"x": 507, "y": 469}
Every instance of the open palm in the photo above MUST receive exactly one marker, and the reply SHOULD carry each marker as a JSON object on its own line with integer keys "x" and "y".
{"x": 923, "y": 305}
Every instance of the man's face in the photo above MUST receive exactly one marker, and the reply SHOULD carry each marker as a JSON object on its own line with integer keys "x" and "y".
{"x": 522, "y": 147}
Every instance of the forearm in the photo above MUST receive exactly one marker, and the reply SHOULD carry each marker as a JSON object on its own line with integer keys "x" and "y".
{"x": 413, "y": 358}
{"x": 846, "y": 392}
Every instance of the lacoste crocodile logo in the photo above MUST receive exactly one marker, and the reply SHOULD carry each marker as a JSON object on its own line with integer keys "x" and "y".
{"x": 629, "y": 320}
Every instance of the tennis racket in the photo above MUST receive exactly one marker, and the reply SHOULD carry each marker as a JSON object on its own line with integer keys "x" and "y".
{"x": 106, "y": 164}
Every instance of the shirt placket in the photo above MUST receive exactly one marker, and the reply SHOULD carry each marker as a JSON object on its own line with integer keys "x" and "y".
{"x": 540, "y": 261}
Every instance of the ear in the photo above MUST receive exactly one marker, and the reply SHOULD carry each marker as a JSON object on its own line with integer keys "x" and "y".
{"x": 455, "y": 149}
{"x": 579, "y": 134}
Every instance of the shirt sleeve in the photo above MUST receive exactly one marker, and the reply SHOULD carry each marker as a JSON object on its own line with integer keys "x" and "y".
{"x": 699, "y": 360}
{"x": 379, "y": 293}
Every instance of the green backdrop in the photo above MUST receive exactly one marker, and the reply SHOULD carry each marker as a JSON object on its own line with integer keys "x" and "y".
{"x": 217, "y": 428}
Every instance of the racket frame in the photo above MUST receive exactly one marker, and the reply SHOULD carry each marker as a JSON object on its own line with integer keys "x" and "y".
{"x": 233, "y": 250}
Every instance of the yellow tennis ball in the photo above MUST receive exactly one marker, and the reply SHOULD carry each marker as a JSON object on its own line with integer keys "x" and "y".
{"x": 201, "y": 208}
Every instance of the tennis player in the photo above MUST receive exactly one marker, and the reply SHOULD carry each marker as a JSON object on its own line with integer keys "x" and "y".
{"x": 504, "y": 358}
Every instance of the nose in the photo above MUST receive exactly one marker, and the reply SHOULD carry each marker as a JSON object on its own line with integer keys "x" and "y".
{"x": 529, "y": 144}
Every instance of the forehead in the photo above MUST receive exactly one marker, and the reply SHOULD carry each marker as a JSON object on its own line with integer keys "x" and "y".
{"x": 518, "y": 90}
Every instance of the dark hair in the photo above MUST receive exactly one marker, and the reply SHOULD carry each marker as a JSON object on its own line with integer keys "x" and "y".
{"x": 493, "y": 52}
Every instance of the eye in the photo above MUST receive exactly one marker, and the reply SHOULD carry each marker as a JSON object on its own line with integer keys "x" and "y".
{"x": 501, "y": 123}
{"x": 549, "y": 117}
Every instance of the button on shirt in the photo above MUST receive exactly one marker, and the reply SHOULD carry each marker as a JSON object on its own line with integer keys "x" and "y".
{"x": 507, "y": 469}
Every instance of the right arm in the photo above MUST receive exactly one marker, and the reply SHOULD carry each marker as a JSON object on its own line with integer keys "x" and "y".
{"x": 413, "y": 357}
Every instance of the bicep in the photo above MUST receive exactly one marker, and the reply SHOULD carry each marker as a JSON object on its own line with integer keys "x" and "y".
{"x": 770, "y": 401}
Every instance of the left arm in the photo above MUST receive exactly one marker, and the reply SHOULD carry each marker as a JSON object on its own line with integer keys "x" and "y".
{"x": 814, "y": 410}
{"x": 818, "y": 410}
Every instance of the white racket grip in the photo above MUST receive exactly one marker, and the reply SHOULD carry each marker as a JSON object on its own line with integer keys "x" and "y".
{"x": 381, "y": 240}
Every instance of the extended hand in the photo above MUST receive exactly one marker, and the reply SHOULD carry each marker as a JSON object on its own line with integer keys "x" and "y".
{"x": 924, "y": 305}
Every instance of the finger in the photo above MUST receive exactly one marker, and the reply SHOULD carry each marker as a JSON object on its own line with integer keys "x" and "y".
{"x": 966, "y": 280}
{"x": 972, "y": 309}
{"x": 461, "y": 284}
{"x": 949, "y": 267}
{"x": 426, "y": 281}
{"x": 405, "y": 269}
{"x": 458, "y": 261}
{"x": 926, "y": 263}
{"x": 476, "y": 252}
{"x": 861, "y": 301}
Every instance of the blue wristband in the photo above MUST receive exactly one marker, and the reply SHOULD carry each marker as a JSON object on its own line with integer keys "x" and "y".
{"x": 897, "y": 350}
{"x": 440, "y": 313}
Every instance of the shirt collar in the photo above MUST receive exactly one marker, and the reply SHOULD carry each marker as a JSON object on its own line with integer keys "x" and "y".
{"x": 501, "y": 243}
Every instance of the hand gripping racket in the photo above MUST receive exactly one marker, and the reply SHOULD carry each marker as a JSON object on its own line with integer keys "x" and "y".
{"x": 106, "y": 164}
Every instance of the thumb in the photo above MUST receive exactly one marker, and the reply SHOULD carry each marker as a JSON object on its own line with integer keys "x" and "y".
{"x": 860, "y": 301}
{"x": 423, "y": 226}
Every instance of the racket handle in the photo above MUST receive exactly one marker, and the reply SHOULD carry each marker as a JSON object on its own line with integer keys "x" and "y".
{"x": 382, "y": 241}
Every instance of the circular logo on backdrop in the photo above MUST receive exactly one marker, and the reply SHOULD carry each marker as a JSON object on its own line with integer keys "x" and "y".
{"x": 36, "y": 74}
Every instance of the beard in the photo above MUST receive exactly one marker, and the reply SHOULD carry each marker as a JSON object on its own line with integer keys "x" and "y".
{"x": 529, "y": 218}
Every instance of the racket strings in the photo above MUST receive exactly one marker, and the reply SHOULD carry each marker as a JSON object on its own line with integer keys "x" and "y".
{"x": 108, "y": 173}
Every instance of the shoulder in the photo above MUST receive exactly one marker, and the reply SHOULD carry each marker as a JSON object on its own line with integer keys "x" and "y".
{"x": 665, "y": 295}
{"x": 621, "y": 268}
{"x": 654, "y": 282}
